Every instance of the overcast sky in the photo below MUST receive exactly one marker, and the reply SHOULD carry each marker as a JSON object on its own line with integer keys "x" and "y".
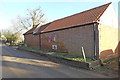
{"x": 9, "y": 10}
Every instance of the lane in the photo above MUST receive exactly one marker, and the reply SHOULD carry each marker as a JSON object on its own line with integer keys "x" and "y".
{"x": 23, "y": 64}
{"x": 0, "y": 60}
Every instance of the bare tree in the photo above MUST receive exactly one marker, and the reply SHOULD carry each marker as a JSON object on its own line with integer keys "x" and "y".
{"x": 21, "y": 24}
{"x": 33, "y": 17}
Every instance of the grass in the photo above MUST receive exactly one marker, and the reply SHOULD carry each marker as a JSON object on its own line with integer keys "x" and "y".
{"x": 109, "y": 60}
{"x": 33, "y": 49}
{"x": 74, "y": 57}
{"x": 65, "y": 55}
{"x": 112, "y": 63}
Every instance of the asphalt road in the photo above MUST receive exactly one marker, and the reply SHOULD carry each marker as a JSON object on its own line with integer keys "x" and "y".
{"x": 23, "y": 64}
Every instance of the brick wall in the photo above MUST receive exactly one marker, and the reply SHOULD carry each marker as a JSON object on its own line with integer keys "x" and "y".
{"x": 71, "y": 40}
{"x": 32, "y": 40}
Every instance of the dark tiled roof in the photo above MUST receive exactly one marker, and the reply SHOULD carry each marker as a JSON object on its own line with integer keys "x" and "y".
{"x": 31, "y": 30}
{"x": 85, "y": 17}
{"x": 42, "y": 28}
{"x": 37, "y": 28}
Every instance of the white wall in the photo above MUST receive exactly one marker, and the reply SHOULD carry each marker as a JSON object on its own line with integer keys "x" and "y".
{"x": 109, "y": 17}
{"x": 108, "y": 33}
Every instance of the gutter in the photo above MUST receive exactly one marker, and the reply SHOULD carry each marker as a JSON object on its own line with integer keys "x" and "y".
{"x": 94, "y": 33}
{"x": 40, "y": 40}
{"x": 67, "y": 28}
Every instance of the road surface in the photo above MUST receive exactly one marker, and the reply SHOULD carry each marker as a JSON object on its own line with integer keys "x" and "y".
{"x": 23, "y": 64}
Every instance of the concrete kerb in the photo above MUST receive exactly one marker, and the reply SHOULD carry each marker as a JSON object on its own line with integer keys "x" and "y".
{"x": 77, "y": 64}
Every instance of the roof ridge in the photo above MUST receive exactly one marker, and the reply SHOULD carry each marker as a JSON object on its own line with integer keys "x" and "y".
{"x": 103, "y": 11}
{"x": 82, "y": 12}
{"x": 100, "y": 10}
{"x": 87, "y": 16}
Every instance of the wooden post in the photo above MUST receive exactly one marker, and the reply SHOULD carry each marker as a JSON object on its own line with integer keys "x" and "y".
{"x": 83, "y": 54}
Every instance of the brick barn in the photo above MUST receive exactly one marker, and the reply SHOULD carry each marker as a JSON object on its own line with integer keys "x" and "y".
{"x": 93, "y": 29}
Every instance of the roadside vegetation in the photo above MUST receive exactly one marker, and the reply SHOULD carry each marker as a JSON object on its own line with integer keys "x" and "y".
{"x": 65, "y": 55}
{"x": 32, "y": 49}
{"x": 71, "y": 56}
{"x": 113, "y": 59}
{"x": 112, "y": 63}
{"x": 109, "y": 67}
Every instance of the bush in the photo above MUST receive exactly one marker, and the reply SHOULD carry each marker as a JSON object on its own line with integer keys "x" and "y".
{"x": 8, "y": 44}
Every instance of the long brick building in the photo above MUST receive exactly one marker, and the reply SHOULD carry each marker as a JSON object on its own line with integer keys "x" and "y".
{"x": 93, "y": 29}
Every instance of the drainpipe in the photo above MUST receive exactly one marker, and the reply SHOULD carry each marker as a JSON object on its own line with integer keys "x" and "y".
{"x": 40, "y": 40}
{"x": 94, "y": 32}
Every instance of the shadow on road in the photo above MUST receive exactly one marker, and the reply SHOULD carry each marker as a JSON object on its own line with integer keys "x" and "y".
{"x": 16, "y": 63}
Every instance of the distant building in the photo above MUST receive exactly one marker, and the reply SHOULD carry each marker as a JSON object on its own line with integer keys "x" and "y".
{"x": 93, "y": 29}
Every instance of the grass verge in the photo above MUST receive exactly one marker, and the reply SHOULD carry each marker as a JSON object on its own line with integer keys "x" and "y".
{"x": 109, "y": 60}
{"x": 74, "y": 57}
{"x": 33, "y": 49}
{"x": 112, "y": 63}
{"x": 65, "y": 55}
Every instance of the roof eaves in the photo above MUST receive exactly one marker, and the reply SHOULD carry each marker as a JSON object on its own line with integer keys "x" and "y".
{"x": 70, "y": 27}
{"x": 95, "y": 20}
{"x": 28, "y": 33}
